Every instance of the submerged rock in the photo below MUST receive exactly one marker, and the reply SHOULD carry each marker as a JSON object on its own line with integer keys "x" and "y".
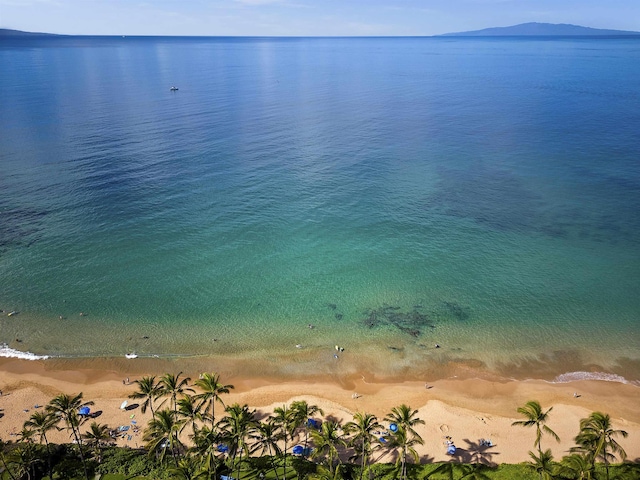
{"x": 412, "y": 322}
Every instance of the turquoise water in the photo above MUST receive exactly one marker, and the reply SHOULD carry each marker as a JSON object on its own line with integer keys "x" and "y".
{"x": 482, "y": 194}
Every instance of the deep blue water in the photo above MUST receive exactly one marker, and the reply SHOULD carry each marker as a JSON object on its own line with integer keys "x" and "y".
{"x": 482, "y": 193}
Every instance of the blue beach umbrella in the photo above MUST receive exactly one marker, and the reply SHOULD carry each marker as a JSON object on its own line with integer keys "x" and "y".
{"x": 84, "y": 411}
{"x": 393, "y": 427}
{"x": 222, "y": 448}
{"x": 451, "y": 450}
{"x": 298, "y": 450}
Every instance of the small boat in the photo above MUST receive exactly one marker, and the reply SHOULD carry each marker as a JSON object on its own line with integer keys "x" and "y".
{"x": 131, "y": 355}
{"x": 173, "y": 89}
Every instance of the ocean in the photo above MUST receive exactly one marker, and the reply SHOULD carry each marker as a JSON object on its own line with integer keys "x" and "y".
{"x": 380, "y": 196}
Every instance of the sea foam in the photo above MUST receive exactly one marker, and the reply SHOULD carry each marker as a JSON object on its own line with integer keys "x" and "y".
{"x": 5, "y": 351}
{"x": 605, "y": 377}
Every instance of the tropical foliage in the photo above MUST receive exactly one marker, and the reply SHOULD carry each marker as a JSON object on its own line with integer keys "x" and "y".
{"x": 184, "y": 440}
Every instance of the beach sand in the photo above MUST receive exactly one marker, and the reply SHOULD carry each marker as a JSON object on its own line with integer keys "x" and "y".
{"x": 465, "y": 409}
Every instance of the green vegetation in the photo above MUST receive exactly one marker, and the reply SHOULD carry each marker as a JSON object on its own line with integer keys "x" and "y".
{"x": 184, "y": 441}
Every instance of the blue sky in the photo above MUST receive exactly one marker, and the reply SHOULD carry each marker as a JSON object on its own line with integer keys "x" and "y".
{"x": 306, "y": 17}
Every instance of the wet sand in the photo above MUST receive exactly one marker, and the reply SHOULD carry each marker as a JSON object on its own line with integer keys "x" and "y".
{"x": 466, "y": 409}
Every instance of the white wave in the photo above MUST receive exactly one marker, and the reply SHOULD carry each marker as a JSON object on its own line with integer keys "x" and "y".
{"x": 5, "y": 351}
{"x": 576, "y": 376}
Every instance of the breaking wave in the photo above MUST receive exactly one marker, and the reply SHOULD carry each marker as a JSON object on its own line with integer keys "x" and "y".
{"x": 5, "y": 351}
{"x": 605, "y": 377}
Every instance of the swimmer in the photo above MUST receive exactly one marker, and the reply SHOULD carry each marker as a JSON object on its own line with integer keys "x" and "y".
{"x": 311, "y": 326}
{"x": 299, "y": 345}
{"x": 437, "y": 345}
{"x": 335, "y": 356}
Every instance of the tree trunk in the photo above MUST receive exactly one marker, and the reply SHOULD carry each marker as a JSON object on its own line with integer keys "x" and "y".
{"x": 275, "y": 471}
{"x": 79, "y": 443}
{"x": 46, "y": 442}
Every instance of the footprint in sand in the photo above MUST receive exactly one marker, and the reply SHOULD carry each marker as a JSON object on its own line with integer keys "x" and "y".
{"x": 444, "y": 428}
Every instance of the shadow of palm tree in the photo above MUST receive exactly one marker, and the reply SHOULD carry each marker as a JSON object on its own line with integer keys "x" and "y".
{"x": 480, "y": 453}
{"x": 462, "y": 455}
{"x": 449, "y": 469}
{"x": 331, "y": 418}
{"x": 260, "y": 415}
{"x": 426, "y": 458}
{"x": 385, "y": 454}
{"x": 132, "y": 406}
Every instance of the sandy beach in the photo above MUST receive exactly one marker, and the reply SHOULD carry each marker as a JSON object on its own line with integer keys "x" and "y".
{"x": 464, "y": 409}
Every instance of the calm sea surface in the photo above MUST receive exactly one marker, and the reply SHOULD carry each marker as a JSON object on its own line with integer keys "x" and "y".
{"x": 394, "y": 193}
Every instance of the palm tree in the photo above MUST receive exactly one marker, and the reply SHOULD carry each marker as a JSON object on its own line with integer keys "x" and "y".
{"x": 362, "y": 428}
{"x": 236, "y": 426}
{"x": 185, "y": 470}
{"x": 323, "y": 473}
{"x": 327, "y": 440}
{"x": 97, "y": 437}
{"x": 406, "y": 436}
{"x": 65, "y": 408}
{"x": 543, "y": 464}
{"x": 3, "y": 458}
{"x": 148, "y": 390}
{"x": 265, "y": 440}
{"x": 535, "y": 416}
{"x": 212, "y": 390}
{"x": 577, "y": 466}
{"x": 205, "y": 442}
{"x": 189, "y": 412}
{"x": 24, "y": 458}
{"x": 162, "y": 434}
{"x": 302, "y": 412}
{"x": 405, "y": 442}
{"x": 171, "y": 386}
{"x": 26, "y": 435}
{"x": 284, "y": 418}
{"x": 41, "y": 423}
{"x": 597, "y": 437}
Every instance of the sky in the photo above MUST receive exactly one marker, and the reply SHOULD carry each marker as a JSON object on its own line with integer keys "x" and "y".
{"x": 306, "y": 17}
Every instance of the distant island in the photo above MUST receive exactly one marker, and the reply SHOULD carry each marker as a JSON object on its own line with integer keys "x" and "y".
{"x": 6, "y": 32}
{"x": 540, "y": 29}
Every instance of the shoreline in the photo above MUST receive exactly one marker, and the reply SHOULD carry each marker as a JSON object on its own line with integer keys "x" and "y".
{"x": 380, "y": 365}
{"x": 466, "y": 409}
